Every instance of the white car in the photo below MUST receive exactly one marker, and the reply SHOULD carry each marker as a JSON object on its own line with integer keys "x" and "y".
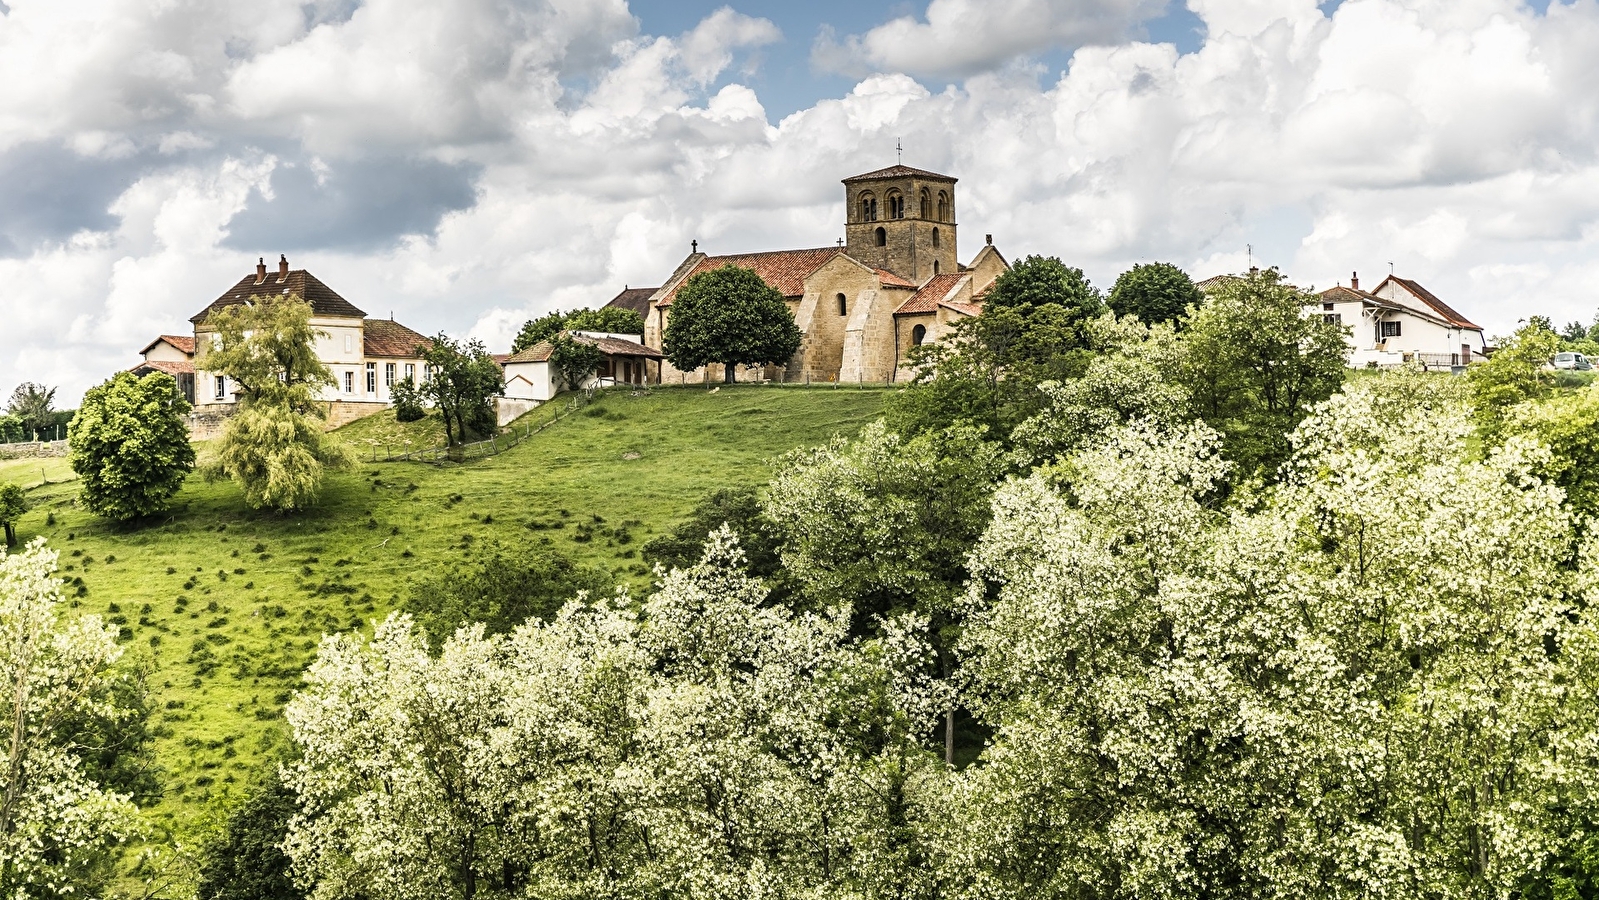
{"x": 1574, "y": 361}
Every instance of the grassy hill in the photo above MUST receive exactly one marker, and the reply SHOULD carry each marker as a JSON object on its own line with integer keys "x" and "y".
{"x": 225, "y": 605}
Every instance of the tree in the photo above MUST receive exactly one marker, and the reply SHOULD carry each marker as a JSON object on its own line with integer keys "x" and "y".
{"x": 246, "y": 861}
{"x": 1517, "y": 372}
{"x": 1254, "y": 364}
{"x": 274, "y": 446}
{"x": 33, "y": 404}
{"x": 575, "y": 361}
{"x": 609, "y": 319}
{"x": 129, "y": 444}
{"x": 1154, "y": 293}
{"x": 463, "y": 380}
{"x": 408, "y": 401}
{"x": 729, "y": 316}
{"x": 499, "y": 589}
{"x": 13, "y": 503}
{"x": 58, "y": 827}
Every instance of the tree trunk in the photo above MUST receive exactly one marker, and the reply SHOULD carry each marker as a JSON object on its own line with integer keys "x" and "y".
{"x": 949, "y": 738}
{"x": 727, "y": 373}
{"x": 11, "y": 535}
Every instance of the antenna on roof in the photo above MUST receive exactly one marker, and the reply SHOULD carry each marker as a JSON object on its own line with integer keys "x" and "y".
{"x": 1390, "y": 267}
{"x": 899, "y": 152}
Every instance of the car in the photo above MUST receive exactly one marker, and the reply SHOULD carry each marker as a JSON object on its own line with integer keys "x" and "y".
{"x": 1575, "y": 361}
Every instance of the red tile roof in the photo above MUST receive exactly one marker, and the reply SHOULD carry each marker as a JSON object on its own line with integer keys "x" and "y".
{"x": 900, "y": 171}
{"x": 386, "y": 337}
{"x": 323, "y": 299}
{"x": 541, "y": 351}
{"x": 785, "y": 270}
{"x": 1441, "y": 308}
{"x": 636, "y": 299}
{"x": 162, "y": 365}
{"x": 178, "y": 342}
{"x": 970, "y": 309}
{"x": 889, "y": 279}
{"x": 931, "y": 294}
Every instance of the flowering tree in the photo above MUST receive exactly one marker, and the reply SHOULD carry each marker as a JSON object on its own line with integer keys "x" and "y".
{"x": 56, "y": 824}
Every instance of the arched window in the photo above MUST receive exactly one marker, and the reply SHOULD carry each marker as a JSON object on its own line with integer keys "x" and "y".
{"x": 868, "y": 208}
{"x": 918, "y": 335}
{"x": 843, "y": 305}
{"x": 943, "y": 207}
{"x": 935, "y": 238}
{"x": 935, "y": 267}
{"x": 896, "y": 205}
{"x": 926, "y": 209}
{"x": 882, "y": 238}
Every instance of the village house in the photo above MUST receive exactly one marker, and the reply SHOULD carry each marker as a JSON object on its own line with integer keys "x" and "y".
{"x": 894, "y": 281}
{"x": 531, "y": 374}
{"x": 1400, "y": 322}
{"x": 366, "y": 356}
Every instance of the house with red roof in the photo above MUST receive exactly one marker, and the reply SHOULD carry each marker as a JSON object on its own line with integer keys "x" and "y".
{"x": 1400, "y": 322}
{"x": 893, "y": 281}
{"x": 367, "y": 356}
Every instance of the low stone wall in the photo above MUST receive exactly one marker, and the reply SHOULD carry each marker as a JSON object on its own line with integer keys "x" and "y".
{"x": 343, "y": 412}
{"x": 207, "y": 419}
{"x": 509, "y": 409}
{"x": 33, "y": 450}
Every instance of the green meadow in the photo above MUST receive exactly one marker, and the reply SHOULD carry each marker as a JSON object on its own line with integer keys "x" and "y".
{"x": 223, "y": 606}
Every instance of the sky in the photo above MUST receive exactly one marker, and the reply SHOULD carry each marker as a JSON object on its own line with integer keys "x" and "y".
{"x": 464, "y": 165}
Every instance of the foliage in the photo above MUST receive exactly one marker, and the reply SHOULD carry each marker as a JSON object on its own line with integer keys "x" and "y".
{"x": 1567, "y": 423}
{"x": 130, "y": 445}
{"x": 33, "y": 406}
{"x": 1517, "y": 372}
{"x": 57, "y": 826}
{"x": 273, "y": 446}
{"x": 1254, "y": 364}
{"x": 608, "y": 319}
{"x": 1037, "y": 281}
{"x": 739, "y": 510}
{"x": 1154, "y": 293}
{"x": 13, "y": 503}
{"x": 574, "y": 361}
{"x": 246, "y": 861}
{"x": 694, "y": 753}
{"x": 408, "y": 401}
{"x": 729, "y": 316}
{"x": 499, "y": 589}
{"x": 463, "y": 380}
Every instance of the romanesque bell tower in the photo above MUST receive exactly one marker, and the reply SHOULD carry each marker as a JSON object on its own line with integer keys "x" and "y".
{"x": 903, "y": 220}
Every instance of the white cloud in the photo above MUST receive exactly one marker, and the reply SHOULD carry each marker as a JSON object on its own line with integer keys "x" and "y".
{"x": 1458, "y": 139}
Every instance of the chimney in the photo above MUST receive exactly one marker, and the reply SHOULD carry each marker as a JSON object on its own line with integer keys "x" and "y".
{"x": 260, "y": 270}
{"x": 1354, "y": 280}
{"x": 283, "y": 267}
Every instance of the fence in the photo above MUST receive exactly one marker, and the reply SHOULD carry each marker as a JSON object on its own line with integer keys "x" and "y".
{"x": 499, "y": 443}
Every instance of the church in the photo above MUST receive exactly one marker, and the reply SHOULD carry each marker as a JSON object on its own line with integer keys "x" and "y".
{"x": 894, "y": 281}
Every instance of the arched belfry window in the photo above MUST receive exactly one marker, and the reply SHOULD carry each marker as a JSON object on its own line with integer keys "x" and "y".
{"x": 935, "y": 238}
{"x": 943, "y": 207}
{"x": 843, "y": 305}
{"x": 926, "y": 206}
{"x": 896, "y": 205}
{"x": 868, "y": 208}
{"x": 918, "y": 335}
{"x": 882, "y": 238}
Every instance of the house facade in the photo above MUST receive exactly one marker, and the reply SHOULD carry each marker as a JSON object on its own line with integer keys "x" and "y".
{"x": 366, "y": 356}
{"x": 1400, "y": 322}
{"x": 893, "y": 282}
{"x": 531, "y": 375}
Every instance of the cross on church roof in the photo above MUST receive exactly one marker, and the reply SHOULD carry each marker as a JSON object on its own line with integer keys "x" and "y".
{"x": 899, "y": 152}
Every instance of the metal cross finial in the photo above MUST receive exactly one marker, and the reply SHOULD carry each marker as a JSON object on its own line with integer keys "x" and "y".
{"x": 841, "y": 242}
{"x": 695, "y": 244}
{"x": 899, "y": 151}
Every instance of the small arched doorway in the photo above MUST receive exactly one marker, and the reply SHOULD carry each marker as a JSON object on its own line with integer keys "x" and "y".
{"x": 918, "y": 335}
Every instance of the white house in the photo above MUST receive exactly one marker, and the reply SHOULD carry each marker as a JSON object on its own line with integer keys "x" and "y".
{"x": 530, "y": 374}
{"x": 367, "y": 356}
{"x": 1400, "y": 322}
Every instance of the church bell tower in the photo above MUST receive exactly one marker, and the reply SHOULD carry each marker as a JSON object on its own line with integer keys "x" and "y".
{"x": 903, "y": 220}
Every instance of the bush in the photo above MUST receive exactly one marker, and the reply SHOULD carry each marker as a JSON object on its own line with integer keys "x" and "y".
{"x": 130, "y": 446}
{"x": 408, "y": 405}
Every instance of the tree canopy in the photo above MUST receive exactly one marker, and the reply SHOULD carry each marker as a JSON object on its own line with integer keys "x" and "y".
{"x": 32, "y": 405}
{"x": 129, "y": 444}
{"x": 609, "y": 319}
{"x": 13, "y": 503}
{"x": 1154, "y": 293}
{"x": 463, "y": 380}
{"x": 732, "y": 317}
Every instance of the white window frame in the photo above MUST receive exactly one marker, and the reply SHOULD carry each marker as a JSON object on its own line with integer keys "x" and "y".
{"x": 221, "y": 383}
{"x": 410, "y": 372}
{"x": 1389, "y": 329}
{"x": 349, "y": 381}
{"x": 371, "y": 378}
{"x": 388, "y": 375}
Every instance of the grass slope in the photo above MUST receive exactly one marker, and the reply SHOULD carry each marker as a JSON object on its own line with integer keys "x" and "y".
{"x": 226, "y": 605}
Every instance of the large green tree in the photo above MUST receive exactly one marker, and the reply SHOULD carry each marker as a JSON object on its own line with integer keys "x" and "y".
{"x": 33, "y": 405}
{"x": 609, "y": 319}
{"x": 732, "y": 317}
{"x": 463, "y": 380}
{"x": 246, "y": 861}
{"x": 1254, "y": 364}
{"x": 274, "y": 446}
{"x": 130, "y": 446}
{"x": 1155, "y": 293}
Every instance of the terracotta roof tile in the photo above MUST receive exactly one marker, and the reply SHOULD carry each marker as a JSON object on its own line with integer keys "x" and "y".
{"x": 1443, "y": 309}
{"x": 970, "y": 309}
{"x": 900, "y": 171}
{"x": 323, "y": 299}
{"x": 163, "y": 365}
{"x": 184, "y": 343}
{"x": 636, "y": 299}
{"x": 931, "y": 294}
{"x": 386, "y": 337}
{"x": 785, "y": 270}
{"x": 541, "y": 351}
{"x": 891, "y": 280}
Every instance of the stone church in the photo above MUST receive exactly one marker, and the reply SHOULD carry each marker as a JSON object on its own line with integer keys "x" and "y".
{"x": 893, "y": 282}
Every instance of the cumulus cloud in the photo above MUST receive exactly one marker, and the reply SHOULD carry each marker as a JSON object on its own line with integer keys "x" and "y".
{"x": 469, "y": 164}
{"x": 959, "y": 38}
